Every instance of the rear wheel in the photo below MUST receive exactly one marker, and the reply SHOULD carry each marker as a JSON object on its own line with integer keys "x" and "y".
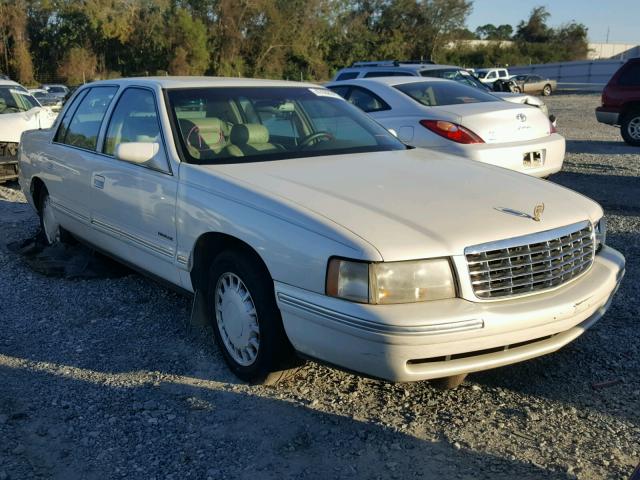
{"x": 546, "y": 91}
{"x": 630, "y": 128}
{"x": 246, "y": 320}
{"x": 52, "y": 231}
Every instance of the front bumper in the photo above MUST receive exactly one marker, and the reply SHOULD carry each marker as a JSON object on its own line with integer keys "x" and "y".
{"x": 422, "y": 341}
{"x": 607, "y": 116}
{"x": 511, "y": 155}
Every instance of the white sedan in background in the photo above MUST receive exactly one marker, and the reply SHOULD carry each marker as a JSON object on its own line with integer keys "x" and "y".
{"x": 19, "y": 112}
{"x": 450, "y": 117}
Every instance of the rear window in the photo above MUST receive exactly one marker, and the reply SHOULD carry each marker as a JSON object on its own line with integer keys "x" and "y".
{"x": 630, "y": 76}
{"x": 435, "y": 94}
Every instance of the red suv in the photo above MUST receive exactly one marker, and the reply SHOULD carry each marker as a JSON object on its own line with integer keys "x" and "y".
{"x": 621, "y": 102}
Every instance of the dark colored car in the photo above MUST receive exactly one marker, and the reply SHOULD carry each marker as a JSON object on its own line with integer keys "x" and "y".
{"x": 621, "y": 102}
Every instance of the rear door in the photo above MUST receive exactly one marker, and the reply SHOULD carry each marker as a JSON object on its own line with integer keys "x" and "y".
{"x": 133, "y": 205}
{"x": 67, "y": 161}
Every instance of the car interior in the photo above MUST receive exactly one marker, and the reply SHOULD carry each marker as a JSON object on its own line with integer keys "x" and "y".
{"x": 214, "y": 127}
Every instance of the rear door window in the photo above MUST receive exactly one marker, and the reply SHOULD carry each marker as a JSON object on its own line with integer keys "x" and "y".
{"x": 366, "y": 100}
{"x": 630, "y": 76}
{"x": 347, "y": 76}
{"x": 83, "y": 129}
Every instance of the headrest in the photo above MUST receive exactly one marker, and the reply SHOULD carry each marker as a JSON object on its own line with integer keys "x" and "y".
{"x": 211, "y": 130}
{"x": 249, "y": 134}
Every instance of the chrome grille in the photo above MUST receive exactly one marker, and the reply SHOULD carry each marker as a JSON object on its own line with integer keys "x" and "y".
{"x": 532, "y": 263}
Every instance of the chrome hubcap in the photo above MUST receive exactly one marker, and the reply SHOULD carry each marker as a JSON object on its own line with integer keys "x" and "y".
{"x": 237, "y": 319}
{"x": 634, "y": 128}
{"x": 50, "y": 224}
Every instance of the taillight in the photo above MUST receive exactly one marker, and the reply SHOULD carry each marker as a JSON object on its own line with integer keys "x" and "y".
{"x": 451, "y": 131}
{"x": 552, "y": 128}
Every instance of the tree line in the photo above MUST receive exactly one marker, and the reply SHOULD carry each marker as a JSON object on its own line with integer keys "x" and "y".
{"x": 80, "y": 40}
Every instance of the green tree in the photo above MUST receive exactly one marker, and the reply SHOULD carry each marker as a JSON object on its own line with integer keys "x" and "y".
{"x": 535, "y": 30}
{"x": 188, "y": 53}
{"x": 491, "y": 32}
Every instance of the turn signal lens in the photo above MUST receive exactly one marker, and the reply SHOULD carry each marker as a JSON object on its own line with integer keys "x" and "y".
{"x": 451, "y": 131}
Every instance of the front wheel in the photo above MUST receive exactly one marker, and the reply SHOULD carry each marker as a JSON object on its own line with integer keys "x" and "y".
{"x": 246, "y": 320}
{"x": 546, "y": 91}
{"x": 516, "y": 89}
{"x": 630, "y": 128}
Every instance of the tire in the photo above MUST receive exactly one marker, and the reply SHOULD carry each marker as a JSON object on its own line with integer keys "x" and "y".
{"x": 546, "y": 91}
{"x": 517, "y": 90}
{"x": 449, "y": 383}
{"x": 52, "y": 232}
{"x": 630, "y": 128}
{"x": 246, "y": 321}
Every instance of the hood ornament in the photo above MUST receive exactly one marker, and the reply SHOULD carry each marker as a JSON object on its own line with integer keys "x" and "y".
{"x": 538, "y": 210}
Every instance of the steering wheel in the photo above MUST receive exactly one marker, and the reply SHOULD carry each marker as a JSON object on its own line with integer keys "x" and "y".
{"x": 314, "y": 136}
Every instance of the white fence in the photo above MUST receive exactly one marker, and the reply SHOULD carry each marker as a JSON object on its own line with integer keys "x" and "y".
{"x": 587, "y": 75}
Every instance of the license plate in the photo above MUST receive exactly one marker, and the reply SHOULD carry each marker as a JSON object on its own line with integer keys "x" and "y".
{"x": 533, "y": 159}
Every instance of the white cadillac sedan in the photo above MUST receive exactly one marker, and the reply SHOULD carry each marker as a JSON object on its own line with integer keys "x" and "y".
{"x": 303, "y": 226}
{"x": 19, "y": 112}
{"x": 450, "y": 117}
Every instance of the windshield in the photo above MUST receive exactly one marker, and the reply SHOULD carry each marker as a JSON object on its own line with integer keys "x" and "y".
{"x": 481, "y": 74}
{"x": 438, "y": 93}
{"x": 247, "y": 124}
{"x": 15, "y": 99}
{"x": 456, "y": 74}
{"x": 56, "y": 89}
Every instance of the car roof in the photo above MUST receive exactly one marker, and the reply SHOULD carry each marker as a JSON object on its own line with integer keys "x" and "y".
{"x": 9, "y": 82}
{"x": 199, "y": 82}
{"x": 400, "y": 66}
{"x": 392, "y": 80}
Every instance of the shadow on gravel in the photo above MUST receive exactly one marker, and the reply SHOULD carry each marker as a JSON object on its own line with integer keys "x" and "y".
{"x": 601, "y": 147}
{"x": 70, "y": 261}
{"x": 618, "y": 194}
{"x": 597, "y": 373}
{"x": 87, "y": 423}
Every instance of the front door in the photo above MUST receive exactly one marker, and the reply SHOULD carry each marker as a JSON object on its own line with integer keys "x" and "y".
{"x": 133, "y": 204}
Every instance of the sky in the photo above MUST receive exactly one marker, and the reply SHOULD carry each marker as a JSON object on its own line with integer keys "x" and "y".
{"x": 621, "y": 17}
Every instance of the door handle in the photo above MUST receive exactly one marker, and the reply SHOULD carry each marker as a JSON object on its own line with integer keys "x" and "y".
{"x": 98, "y": 181}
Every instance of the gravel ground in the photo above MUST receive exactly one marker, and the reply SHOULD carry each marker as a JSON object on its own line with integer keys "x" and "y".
{"x": 100, "y": 378}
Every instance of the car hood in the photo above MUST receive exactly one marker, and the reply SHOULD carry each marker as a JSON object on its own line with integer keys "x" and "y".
{"x": 13, "y": 124}
{"x": 416, "y": 203}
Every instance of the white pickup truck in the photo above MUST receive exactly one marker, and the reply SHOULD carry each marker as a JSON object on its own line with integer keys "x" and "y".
{"x": 303, "y": 226}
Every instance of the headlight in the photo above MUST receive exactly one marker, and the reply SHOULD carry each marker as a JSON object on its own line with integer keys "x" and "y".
{"x": 601, "y": 233}
{"x": 391, "y": 282}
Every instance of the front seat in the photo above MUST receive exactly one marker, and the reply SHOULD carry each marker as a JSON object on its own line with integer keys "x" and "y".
{"x": 205, "y": 137}
{"x": 250, "y": 139}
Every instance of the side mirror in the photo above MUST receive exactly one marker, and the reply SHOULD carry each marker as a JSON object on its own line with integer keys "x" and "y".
{"x": 137, "y": 152}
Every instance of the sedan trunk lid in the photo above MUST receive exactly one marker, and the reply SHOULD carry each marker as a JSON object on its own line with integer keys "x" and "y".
{"x": 501, "y": 122}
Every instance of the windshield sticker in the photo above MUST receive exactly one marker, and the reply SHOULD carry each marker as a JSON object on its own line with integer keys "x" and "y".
{"x": 323, "y": 92}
